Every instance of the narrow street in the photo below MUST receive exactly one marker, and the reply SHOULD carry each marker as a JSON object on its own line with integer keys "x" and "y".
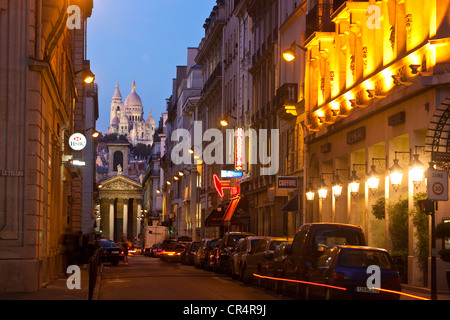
{"x": 147, "y": 278}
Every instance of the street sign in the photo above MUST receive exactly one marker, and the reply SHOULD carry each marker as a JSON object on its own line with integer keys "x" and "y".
{"x": 437, "y": 185}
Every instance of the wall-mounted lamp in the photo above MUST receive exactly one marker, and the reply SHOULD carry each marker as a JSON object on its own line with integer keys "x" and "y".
{"x": 353, "y": 184}
{"x": 336, "y": 187}
{"x": 225, "y": 122}
{"x": 322, "y": 190}
{"x": 396, "y": 174}
{"x": 289, "y": 54}
{"x": 310, "y": 194}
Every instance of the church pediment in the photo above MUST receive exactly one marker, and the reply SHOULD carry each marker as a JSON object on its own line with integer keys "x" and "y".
{"x": 120, "y": 183}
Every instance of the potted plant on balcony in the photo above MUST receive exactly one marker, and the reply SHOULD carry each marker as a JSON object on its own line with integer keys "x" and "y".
{"x": 443, "y": 232}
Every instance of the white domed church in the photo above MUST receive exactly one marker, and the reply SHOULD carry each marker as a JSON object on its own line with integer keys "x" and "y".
{"x": 128, "y": 119}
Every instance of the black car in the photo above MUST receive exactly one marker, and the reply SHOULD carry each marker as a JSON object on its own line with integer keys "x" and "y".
{"x": 173, "y": 253}
{"x": 343, "y": 272}
{"x": 274, "y": 267}
{"x": 226, "y": 245}
{"x": 110, "y": 252}
{"x": 309, "y": 244}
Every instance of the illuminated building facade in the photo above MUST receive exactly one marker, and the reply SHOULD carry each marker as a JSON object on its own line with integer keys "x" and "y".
{"x": 377, "y": 78}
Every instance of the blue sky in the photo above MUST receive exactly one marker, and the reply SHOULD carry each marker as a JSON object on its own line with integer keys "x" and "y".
{"x": 142, "y": 40}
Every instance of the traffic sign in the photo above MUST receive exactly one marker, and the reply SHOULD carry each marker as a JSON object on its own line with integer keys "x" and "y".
{"x": 437, "y": 185}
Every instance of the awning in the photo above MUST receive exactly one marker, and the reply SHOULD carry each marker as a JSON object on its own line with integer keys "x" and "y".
{"x": 215, "y": 218}
{"x": 291, "y": 205}
{"x": 231, "y": 209}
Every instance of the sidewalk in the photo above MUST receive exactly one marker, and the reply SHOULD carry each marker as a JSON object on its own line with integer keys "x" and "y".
{"x": 425, "y": 292}
{"x": 57, "y": 290}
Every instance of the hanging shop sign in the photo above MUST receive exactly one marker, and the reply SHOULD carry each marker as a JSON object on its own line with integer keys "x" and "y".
{"x": 77, "y": 142}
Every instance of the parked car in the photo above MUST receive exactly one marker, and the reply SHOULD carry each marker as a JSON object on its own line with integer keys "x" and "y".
{"x": 227, "y": 243}
{"x": 275, "y": 265}
{"x": 183, "y": 254}
{"x": 190, "y": 251}
{"x": 234, "y": 258}
{"x": 309, "y": 244}
{"x": 239, "y": 267}
{"x": 210, "y": 246}
{"x": 173, "y": 253}
{"x": 346, "y": 267}
{"x": 109, "y": 252}
{"x": 255, "y": 259}
{"x": 213, "y": 254}
{"x": 199, "y": 258}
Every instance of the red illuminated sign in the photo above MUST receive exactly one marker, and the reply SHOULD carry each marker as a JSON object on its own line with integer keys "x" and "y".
{"x": 220, "y": 185}
{"x": 239, "y": 161}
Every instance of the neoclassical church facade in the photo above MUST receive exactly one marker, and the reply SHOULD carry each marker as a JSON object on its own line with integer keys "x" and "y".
{"x": 128, "y": 118}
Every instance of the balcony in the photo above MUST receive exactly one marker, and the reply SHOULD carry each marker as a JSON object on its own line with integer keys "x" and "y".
{"x": 215, "y": 75}
{"x": 318, "y": 19}
{"x": 286, "y": 101}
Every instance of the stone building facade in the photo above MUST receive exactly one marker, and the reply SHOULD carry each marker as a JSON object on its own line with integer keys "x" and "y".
{"x": 42, "y": 64}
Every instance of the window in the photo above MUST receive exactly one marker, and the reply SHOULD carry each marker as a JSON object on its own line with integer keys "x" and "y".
{"x": 355, "y": 258}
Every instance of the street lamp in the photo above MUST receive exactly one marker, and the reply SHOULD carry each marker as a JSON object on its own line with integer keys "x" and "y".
{"x": 417, "y": 171}
{"x": 354, "y": 184}
{"x": 310, "y": 194}
{"x": 88, "y": 75}
{"x": 373, "y": 181}
{"x": 225, "y": 121}
{"x": 396, "y": 175}
{"x": 289, "y": 54}
{"x": 336, "y": 187}
{"x": 322, "y": 191}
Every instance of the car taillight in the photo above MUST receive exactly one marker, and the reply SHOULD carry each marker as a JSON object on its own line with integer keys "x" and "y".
{"x": 339, "y": 276}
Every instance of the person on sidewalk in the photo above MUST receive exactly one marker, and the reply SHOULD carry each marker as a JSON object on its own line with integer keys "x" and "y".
{"x": 125, "y": 246}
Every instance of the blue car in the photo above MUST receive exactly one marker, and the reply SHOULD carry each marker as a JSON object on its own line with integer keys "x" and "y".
{"x": 342, "y": 273}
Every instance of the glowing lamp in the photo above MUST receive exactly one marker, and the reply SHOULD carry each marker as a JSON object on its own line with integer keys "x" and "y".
{"x": 396, "y": 175}
{"x": 417, "y": 171}
{"x": 289, "y": 55}
{"x": 354, "y": 184}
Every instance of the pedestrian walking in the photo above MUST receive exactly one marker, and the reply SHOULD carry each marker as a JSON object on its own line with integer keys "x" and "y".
{"x": 125, "y": 247}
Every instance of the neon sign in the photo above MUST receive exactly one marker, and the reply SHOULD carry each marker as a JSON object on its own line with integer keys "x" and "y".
{"x": 239, "y": 161}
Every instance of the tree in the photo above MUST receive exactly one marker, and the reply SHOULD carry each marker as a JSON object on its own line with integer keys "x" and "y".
{"x": 112, "y": 137}
{"x": 421, "y": 224}
{"x": 141, "y": 151}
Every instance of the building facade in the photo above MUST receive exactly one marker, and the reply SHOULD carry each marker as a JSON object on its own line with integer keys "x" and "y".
{"x": 44, "y": 100}
{"x": 372, "y": 89}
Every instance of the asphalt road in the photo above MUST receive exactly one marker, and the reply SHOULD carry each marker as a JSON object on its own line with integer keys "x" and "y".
{"x": 146, "y": 278}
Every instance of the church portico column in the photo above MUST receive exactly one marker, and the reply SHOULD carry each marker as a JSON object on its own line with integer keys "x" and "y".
{"x": 125, "y": 217}
{"x": 111, "y": 218}
{"x": 138, "y": 215}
